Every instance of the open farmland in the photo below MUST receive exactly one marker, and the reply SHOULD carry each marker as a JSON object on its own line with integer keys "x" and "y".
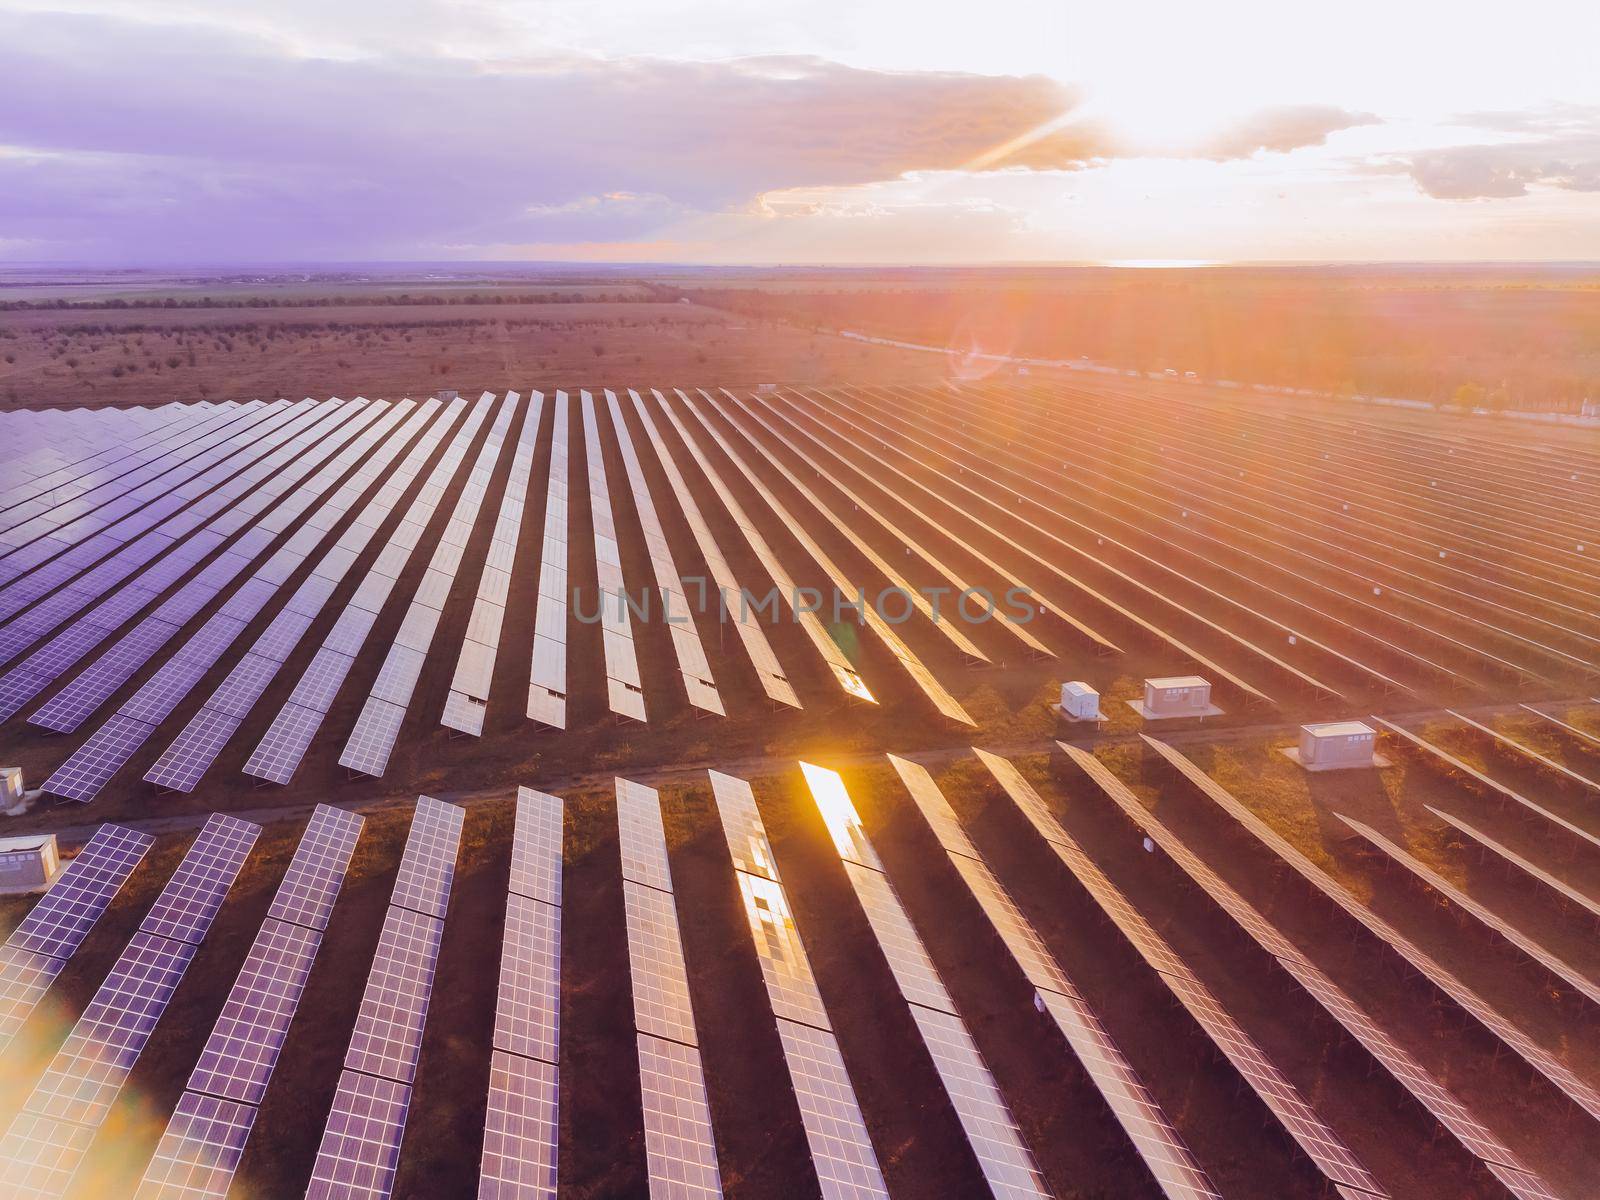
{"x": 1124, "y": 959}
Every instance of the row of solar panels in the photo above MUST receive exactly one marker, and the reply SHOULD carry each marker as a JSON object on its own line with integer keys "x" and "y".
{"x": 225, "y": 496}
{"x": 361, "y": 1143}
{"x": 1430, "y": 564}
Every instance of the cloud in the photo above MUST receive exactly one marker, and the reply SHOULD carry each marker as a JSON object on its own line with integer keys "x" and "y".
{"x": 1284, "y": 128}
{"x": 1557, "y": 147}
{"x": 196, "y": 142}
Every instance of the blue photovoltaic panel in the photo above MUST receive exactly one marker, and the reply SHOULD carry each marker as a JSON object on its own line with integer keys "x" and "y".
{"x": 376, "y": 731}
{"x": 239, "y": 1056}
{"x": 200, "y": 1151}
{"x": 284, "y": 745}
{"x": 520, "y": 1128}
{"x": 527, "y": 1009}
{"x": 536, "y": 846}
{"x": 429, "y": 862}
{"x": 360, "y": 1147}
{"x": 182, "y": 764}
{"x": 192, "y": 897}
{"x": 93, "y": 1063}
{"x": 24, "y": 979}
{"x": 388, "y": 1033}
{"x": 311, "y": 885}
{"x": 91, "y": 767}
{"x": 58, "y": 923}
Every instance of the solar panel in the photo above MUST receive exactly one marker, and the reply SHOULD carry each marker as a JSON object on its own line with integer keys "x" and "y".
{"x": 376, "y": 730}
{"x": 991, "y": 1131}
{"x": 623, "y": 687}
{"x": 1445, "y": 1108}
{"x": 286, "y": 741}
{"x": 58, "y": 923}
{"x": 693, "y": 666}
{"x": 91, "y": 767}
{"x": 93, "y": 1063}
{"x": 547, "y": 688}
{"x": 767, "y": 666}
{"x": 24, "y": 979}
{"x": 360, "y": 1148}
{"x": 1151, "y": 1134}
{"x": 1495, "y": 924}
{"x": 519, "y": 1149}
{"x": 429, "y": 862}
{"x": 527, "y": 1011}
{"x": 1469, "y": 1001}
{"x": 680, "y": 1150}
{"x": 841, "y": 1151}
{"x": 520, "y": 1129}
{"x": 316, "y": 873}
{"x": 39, "y": 1155}
{"x": 741, "y": 824}
{"x": 536, "y": 846}
{"x": 239, "y": 1056}
{"x": 388, "y": 1033}
{"x": 182, "y": 764}
{"x": 1518, "y": 862}
{"x": 200, "y": 1150}
{"x": 661, "y": 1003}
{"x": 642, "y": 837}
{"x": 1297, "y": 1118}
{"x": 184, "y": 909}
{"x": 469, "y": 690}
{"x": 844, "y": 674}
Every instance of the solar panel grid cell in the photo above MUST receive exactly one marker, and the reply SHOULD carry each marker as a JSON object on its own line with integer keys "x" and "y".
{"x": 184, "y": 909}
{"x": 536, "y": 846}
{"x": 527, "y": 1010}
{"x": 58, "y": 923}
{"x": 388, "y": 1032}
{"x": 680, "y": 1150}
{"x": 200, "y": 1150}
{"x": 360, "y": 1149}
{"x": 847, "y": 1168}
{"x": 519, "y": 1137}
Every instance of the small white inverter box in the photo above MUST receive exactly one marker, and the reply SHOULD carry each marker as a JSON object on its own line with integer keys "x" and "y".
{"x": 1336, "y": 746}
{"x": 28, "y": 864}
{"x": 10, "y": 786}
{"x": 1175, "y": 696}
{"x": 1080, "y": 702}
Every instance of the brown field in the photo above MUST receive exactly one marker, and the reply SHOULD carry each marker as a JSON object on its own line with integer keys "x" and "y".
{"x": 1180, "y": 524}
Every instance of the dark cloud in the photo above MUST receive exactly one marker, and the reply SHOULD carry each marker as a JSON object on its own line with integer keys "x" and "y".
{"x": 1284, "y": 128}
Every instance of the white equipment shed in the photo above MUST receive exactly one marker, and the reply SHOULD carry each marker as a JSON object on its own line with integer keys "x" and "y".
{"x": 1175, "y": 696}
{"x": 28, "y": 863}
{"x": 1336, "y": 746}
{"x": 1080, "y": 702}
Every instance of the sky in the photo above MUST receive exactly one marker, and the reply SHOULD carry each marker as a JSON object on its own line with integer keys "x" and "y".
{"x": 823, "y": 131}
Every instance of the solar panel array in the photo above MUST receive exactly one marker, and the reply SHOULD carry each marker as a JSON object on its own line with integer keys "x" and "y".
{"x": 87, "y": 771}
{"x": 1005, "y": 1160}
{"x": 1151, "y": 1134}
{"x": 468, "y": 700}
{"x": 1496, "y": 925}
{"x": 49, "y": 1138}
{"x": 845, "y": 528}
{"x": 624, "y": 689}
{"x": 1300, "y": 1120}
{"x": 1518, "y": 862}
{"x": 693, "y": 667}
{"x": 547, "y": 686}
{"x": 788, "y": 591}
{"x": 377, "y": 728}
{"x": 360, "y": 1148}
{"x": 204, "y": 1141}
{"x": 680, "y": 1151}
{"x": 769, "y": 672}
{"x": 39, "y": 947}
{"x": 841, "y": 1150}
{"x": 279, "y": 753}
{"x": 182, "y": 765}
{"x": 520, "y": 1132}
{"x": 1446, "y": 1108}
{"x": 1467, "y": 1000}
